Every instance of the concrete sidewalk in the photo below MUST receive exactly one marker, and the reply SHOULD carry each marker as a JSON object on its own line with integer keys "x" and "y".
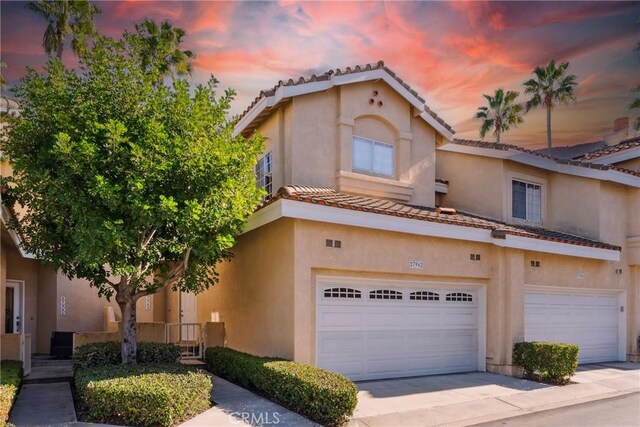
{"x": 43, "y": 404}
{"x": 235, "y": 406}
{"x": 467, "y": 399}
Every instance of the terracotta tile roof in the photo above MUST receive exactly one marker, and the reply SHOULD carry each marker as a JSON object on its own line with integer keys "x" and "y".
{"x": 341, "y": 72}
{"x": 573, "y": 162}
{"x": 330, "y": 197}
{"x": 621, "y": 146}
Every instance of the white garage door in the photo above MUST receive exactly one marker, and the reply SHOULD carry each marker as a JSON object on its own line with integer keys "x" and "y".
{"x": 589, "y": 320}
{"x": 369, "y": 332}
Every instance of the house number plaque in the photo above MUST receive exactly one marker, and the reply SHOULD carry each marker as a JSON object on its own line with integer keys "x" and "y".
{"x": 416, "y": 265}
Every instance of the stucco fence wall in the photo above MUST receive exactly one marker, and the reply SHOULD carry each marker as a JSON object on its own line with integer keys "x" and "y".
{"x": 149, "y": 332}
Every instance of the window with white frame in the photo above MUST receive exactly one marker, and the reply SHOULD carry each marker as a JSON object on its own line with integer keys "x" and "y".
{"x": 263, "y": 174}
{"x": 372, "y": 157}
{"x": 526, "y": 201}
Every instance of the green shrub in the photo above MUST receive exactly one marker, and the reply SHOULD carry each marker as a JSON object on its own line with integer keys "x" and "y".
{"x": 555, "y": 362}
{"x": 10, "y": 378}
{"x": 144, "y": 394}
{"x": 108, "y": 353}
{"x": 325, "y": 397}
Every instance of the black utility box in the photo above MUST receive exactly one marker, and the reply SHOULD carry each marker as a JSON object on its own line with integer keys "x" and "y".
{"x": 61, "y": 344}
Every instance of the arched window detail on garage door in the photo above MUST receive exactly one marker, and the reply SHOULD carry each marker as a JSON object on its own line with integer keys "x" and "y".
{"x": 424, "y": 296}
{"x": 385, "y": 294}
{"x": 459, "y": 296}
{"x": 342, "y": 293}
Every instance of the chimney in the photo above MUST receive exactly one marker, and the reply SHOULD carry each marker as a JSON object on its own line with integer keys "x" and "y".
{"x": 621, "y": 123}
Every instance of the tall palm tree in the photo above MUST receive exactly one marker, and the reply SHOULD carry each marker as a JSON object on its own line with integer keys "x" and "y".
{"x": 2, "y": 80}
{"x": 551, "y": 86}
{"x": 66, "y": 18}
{"x": 501, "y": 114}
{"x": 161, "y": 49}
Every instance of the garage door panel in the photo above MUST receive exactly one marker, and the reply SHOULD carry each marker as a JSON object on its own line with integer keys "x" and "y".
{"x": 396, "y": 338}
{"x": 385, "y": 342}
{"x": 460, "y": 317}
{"x": 341, "y": 316}
{"x": 588, "y": 320}
{"x": 340, "y": 343}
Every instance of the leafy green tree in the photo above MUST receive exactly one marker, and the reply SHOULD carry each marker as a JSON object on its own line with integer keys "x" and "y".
{"x": 66, "y": 18}
{"x": 501, "y": 115}
{"x": 161, "y": 49}
{"x": 550, "y": 86}
{"x": 131, "y": 185}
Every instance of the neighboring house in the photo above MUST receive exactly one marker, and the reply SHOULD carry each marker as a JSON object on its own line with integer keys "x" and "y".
{"x": 387, "y": 248}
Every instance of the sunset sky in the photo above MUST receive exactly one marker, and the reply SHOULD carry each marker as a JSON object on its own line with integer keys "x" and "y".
{"x": 451, "y": 53}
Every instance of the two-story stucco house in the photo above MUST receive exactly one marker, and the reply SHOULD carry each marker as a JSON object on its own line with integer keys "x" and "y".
{"x": 388, "y": 248}
{"x": 392, "y": 249}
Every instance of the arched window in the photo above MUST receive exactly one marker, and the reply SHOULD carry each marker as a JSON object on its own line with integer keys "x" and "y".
{"x": 385, "y": 294}
{"x": 424, "y": 296}
{"x": 459, "y": 296}
{"x": 342, "y": 293}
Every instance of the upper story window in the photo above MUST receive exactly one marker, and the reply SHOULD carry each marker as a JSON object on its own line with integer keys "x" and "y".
{"x": 372, "y": 157}
{"x": 526, "y": 201}
{"x": 263, "y": 174}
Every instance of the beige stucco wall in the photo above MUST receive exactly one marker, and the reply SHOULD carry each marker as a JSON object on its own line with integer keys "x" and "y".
{"x": 310, "y": 140}
{"x": 254, "y": 297}
{"x": 475, "y": 183}
{"x": 633, "y": 164}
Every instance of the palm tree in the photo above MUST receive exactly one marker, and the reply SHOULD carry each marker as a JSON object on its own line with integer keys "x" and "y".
{"x": 2, "y": 80}
{"x": 66, "y": 18}
{"x": 161, "y": 49}
{"x": 501, "y": 114}
{"x": 551, "y": 86}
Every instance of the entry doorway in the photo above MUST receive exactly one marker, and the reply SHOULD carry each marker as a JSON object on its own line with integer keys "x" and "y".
{"x": 14, "y": 307}
{"x": 187, "y": 315}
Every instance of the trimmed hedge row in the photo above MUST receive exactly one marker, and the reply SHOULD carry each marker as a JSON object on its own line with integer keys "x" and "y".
{"x": 322, "y": 396}
{"x": 10, "y": 378}
{"x": 555, "y": 362}
{"x": 158, "y": 394}
{"x": 109, "y": 353}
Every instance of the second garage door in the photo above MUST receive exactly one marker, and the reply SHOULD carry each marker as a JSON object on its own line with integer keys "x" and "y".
{"x": 373, "y": 332}
{"x": 589, "y": 320}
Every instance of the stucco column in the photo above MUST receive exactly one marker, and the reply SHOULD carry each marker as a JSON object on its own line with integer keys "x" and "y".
{"x": 505, "y": 309}
{"x": 345, "y": 133}
{"x": 403, "y": 154}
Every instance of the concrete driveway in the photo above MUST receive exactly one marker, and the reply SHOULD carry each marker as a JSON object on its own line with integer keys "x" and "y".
{"x": 471, "y": 398}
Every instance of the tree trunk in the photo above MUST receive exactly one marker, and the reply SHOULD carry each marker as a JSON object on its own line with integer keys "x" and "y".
{"x": 60, "y": 46}
{"x": 129, "y": 329}
{"x": 549, "y": 131}
{"x": 498, "y": 137}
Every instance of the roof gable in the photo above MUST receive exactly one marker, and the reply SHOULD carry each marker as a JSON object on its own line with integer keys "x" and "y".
{"x": 625, "y": 150}
{"x": 269, "y": 99}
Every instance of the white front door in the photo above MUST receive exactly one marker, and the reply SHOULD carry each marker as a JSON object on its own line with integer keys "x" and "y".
{"x": 374, "y": 332}
{"x": 589, "y": 320}
{"x": 14, "y": 307}
{"x": 187, "y": 315}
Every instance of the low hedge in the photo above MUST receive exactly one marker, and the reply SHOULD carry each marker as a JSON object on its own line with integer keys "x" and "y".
{"x": 144, "y": 394}
{"x": 322, "y": 396}
{"x": 109, "y": 353}
{"x": 555, "y": 362}
{"x": 10, "y": 377}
